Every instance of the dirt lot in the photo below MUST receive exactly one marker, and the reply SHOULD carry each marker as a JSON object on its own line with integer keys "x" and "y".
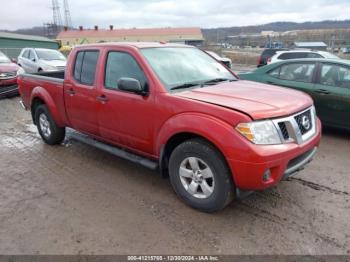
{"x": 76, "y": 199}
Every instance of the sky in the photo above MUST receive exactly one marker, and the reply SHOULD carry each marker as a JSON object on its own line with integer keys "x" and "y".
{"x": 172, "y": 13}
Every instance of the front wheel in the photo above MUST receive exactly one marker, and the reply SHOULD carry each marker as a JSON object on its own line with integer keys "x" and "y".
{"x": 200, "y": 176}
{"x": 48, "y": 130}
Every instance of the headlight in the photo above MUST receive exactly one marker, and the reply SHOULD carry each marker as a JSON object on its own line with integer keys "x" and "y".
{"x": 260, "y": 132}
{"x": 20, "y": 71}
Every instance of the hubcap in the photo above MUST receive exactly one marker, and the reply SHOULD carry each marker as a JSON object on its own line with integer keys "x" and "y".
{"x": 44, "y": 125}
{"x": 196, "y": 177}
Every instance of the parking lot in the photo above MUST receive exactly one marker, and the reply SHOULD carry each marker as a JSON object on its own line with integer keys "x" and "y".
{"x": 73, "y": 199}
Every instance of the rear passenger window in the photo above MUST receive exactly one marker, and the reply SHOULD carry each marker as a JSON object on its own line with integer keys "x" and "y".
{"x": 85, "y": 67}
{"x": 77, "y": 67}
{"x": 296, "y": 55}
{"x": 120, "y": 65}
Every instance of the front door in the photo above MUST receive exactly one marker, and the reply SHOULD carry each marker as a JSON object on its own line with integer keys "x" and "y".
{"x": 125, "y": 118}
{"x": 80, "y": 93}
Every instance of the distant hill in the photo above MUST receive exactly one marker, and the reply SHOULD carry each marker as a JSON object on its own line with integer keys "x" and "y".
{"x": 37, "y": 30}
{"x": 212, "y": 34}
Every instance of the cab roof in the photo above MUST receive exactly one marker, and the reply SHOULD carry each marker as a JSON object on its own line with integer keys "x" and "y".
{"x": 138, "y": 45}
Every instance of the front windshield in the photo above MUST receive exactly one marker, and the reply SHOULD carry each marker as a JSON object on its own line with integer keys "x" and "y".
{"x": 4, "y": 59}
{"x": 50, "y": 55}
{"x": 182, "y": 65}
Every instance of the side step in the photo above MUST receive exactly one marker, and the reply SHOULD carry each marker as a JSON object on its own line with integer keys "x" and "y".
{"x": 74, "y": 135}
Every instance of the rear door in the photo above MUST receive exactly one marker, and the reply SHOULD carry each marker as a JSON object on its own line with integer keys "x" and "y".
{"x": 333, "y": 94}
{"x": 80, "y": 92}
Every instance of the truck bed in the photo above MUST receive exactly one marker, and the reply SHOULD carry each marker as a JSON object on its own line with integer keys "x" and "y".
{"x": 51, "y": 82}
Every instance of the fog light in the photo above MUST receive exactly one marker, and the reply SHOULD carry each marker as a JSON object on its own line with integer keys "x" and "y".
{"x": 267, "y": 175}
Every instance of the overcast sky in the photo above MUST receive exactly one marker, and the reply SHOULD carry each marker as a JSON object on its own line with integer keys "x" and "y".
{"x": 174, "y": 13}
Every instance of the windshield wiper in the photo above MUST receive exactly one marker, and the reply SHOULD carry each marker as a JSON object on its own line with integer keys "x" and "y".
{"x": 185, "y": 85}
{"x": 217, "y": 80}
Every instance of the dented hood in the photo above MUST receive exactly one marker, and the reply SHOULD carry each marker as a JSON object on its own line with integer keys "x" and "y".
{"x": 260, "y": 101}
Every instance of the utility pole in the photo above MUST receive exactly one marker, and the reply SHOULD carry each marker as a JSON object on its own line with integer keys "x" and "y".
{"x": 57, "y": 19}
{"x": 67, "y": 17}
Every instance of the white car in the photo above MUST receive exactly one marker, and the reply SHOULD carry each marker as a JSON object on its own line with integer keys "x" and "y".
{"x": 224, "y": 60}
{"x": 297, "y": 54}
{"x": 34, "y": 60}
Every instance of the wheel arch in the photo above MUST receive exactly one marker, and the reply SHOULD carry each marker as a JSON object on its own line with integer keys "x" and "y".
{"x": 41, "y": 96}
{"x": 170, "y": 137}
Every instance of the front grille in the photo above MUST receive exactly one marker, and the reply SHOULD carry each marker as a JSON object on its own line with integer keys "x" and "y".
{"x": 297, "y": 128}
{"x": 8, "y": 75}
{"x": 284, "y": 131}
{"x": 304, "y": 122}
{"x": 7, "y": 89}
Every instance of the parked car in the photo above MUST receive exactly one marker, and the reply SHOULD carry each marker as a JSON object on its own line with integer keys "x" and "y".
{"x": 266, "y": 55}
{"x": 175, "y": 108}
{"x": 34, "y": 60}
{"x": 326, "y": 81}
{"x": 226, "y": 61}
{"x": 299, "y": 54}
{"x": 8, "y": 76}
{"x": 346, "y": 50}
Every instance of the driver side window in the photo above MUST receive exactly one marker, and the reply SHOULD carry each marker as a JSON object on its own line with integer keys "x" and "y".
{"x": 120, "y": 64}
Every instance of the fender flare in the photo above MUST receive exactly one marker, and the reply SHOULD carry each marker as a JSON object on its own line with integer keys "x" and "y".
{"x": 199, "y": 124}
{"x": 44, "y": 95}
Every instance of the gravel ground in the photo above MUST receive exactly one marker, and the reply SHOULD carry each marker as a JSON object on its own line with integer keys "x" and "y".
{"x": 75, "y": 199}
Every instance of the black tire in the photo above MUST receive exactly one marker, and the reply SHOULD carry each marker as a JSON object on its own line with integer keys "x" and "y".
{"x": 223, "y": 189}
{"x": 56, "y": 135}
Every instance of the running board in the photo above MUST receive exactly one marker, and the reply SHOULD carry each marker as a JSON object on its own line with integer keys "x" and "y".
{"x": 74, "y": 135}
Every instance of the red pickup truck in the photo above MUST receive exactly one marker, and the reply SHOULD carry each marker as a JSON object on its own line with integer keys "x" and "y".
{"x": 175, "y": 108}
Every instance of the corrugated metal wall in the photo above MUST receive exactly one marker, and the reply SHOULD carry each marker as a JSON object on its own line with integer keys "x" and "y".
{"x": 12, "y": 47}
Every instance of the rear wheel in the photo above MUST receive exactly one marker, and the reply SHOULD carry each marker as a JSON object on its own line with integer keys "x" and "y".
{"x": 48, "y": 129}
{"x": 200, "y": 176}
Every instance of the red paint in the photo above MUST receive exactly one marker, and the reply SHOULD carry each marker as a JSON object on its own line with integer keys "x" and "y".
{"x": 144, "y": 124}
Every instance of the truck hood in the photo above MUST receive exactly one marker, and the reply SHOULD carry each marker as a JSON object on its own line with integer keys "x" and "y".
{"x": 259, "y": 101}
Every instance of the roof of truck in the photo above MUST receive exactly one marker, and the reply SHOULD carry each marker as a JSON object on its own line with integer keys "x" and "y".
{"x": 136, "y": 44}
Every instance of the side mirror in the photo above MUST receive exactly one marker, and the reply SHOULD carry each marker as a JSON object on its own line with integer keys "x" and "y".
{"x": 14, "y": 60}
{"x": 33, "y": 59}
{"x": 131, "y": 85}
